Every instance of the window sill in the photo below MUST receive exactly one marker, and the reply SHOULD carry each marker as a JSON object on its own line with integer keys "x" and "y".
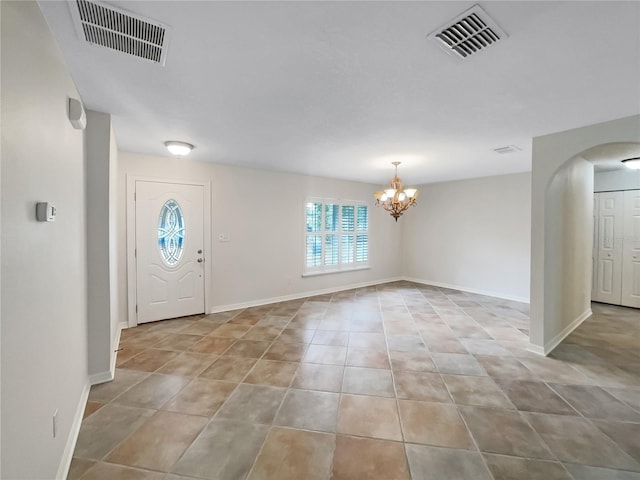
{"x": 330, "y": 272}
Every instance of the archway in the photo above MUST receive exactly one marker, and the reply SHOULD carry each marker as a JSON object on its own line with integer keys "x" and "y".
{"x": 561, "y": 225}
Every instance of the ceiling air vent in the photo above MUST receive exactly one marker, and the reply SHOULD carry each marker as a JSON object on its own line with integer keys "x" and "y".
{"x": 107, "y": 26}
{"x": 468, "y": 33}
{"x": 508, "y": 149}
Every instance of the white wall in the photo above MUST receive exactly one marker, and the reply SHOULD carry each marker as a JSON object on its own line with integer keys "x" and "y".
{"x": 569, "y": 250}
{"x": 102, "y": 300}
{"x": 44, "y": 335}
{"x": 116, "y": 321}
{"x": 550, "y": 152}
{"x": 473, "y": 235}
{"x": 263, "y": 213}
{"x": 0, "y": 286}
{"x": 624, "y": 179}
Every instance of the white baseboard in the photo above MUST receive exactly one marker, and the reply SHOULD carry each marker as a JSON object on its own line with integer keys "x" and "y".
{"x": 555, "y": 341}
{"x": 469, "y": 290}
{"x": 70, "y": 446}
{"x": 109, "y": 375}
{"x": 116, "y": 344}
{"x": 536, "y": 349}
{"x": 296, "y": 296}
{"x": 102, "y": 377}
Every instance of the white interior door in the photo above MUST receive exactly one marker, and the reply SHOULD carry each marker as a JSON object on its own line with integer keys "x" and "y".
{"x": 631, "y": 250}
{"x": 609, "y": 277}
{"x": 169, "y": 224}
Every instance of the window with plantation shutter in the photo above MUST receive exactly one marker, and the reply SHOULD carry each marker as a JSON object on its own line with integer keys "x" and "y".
{"x": 337, "y": 236}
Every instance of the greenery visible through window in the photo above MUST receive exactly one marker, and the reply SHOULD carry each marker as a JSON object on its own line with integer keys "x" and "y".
{"x": 337, "y": 236}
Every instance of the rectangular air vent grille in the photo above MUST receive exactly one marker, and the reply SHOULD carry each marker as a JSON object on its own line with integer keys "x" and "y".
{"x": 110, "y": 27}
{"x": 469, "y": 33}
{"x": 508, "y": 149}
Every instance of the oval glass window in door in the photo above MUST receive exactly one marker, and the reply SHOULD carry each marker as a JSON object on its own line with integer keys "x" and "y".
{"x": 171, "y": 232}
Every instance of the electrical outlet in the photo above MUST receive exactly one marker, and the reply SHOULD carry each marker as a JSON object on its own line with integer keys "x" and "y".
{"x": 55, "y": 423}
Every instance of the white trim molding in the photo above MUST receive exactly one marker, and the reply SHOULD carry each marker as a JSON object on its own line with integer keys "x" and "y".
{"x": 102, "y": 377}
{"x": 297, "y": 296}
{"x": 536, "y": 349}
{"x": 70, "y": 446}
{"x": 468, "y": 290}
{"x": 566, "y": 331}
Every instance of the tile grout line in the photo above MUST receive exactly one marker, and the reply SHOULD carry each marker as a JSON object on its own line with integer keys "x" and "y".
{"x": 496, "y": 307}
{"x": 393, "y": 379}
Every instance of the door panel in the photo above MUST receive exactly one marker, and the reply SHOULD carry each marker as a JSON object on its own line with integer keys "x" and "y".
{"x": 159, "y": 289}
{"x": 609, "y": 248}
{"x": 187, "y": 286}
{"x": 169, "y": 241}
{"x": 631, "y": 250}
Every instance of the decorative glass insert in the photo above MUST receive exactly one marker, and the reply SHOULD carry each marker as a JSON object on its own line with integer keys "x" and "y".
{"x": 171, "y": 232}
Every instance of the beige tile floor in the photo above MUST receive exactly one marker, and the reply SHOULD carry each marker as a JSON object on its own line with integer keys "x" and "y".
{"x": 390, "y": 382}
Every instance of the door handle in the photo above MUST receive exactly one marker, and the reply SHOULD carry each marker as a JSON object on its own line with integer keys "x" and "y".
{"x": 200, "y": 260}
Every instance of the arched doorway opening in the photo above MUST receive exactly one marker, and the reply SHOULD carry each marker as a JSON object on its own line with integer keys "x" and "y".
{"x": 562, "y": 224}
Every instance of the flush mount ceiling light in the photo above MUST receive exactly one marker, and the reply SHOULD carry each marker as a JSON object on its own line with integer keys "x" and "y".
{"x": 396, "y": 199}
{"x": 179, "y": 149}
{"x": 633, "y": 163}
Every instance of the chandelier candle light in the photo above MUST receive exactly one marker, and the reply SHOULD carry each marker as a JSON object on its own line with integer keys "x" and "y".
{"x": 396, "y": 199}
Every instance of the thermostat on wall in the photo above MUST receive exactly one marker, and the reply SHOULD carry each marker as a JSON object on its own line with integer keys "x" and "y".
{"x": 45, "y": 212}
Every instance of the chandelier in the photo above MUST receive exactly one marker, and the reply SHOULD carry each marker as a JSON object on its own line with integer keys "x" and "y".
{"x": 396, "y": 199}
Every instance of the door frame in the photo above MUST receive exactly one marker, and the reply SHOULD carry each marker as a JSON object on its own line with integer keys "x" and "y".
{"x": 132, "y": 280}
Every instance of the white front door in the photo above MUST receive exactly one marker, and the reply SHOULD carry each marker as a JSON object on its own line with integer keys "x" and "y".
{"x": 609, "y": 277}
{"x": 631, "y": 250}
{"x": 169, "y": 223}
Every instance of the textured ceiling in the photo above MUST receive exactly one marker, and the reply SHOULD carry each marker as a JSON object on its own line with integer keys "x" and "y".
{"x": 341, "y": 89}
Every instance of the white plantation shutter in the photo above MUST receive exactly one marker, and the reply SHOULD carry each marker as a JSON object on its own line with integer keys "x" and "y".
{"x": 337, "y": 236}
{"x": 332, "y": 217}
{"x": 313, "y": 254}
{"x": 362, "y": 239}
{"x": 362, "y": 248}
{"x": 348, "y": 220}
{"x": 363, "y": 218}
{"x": 347, "y": 248}
{"x": 331, "y": 250}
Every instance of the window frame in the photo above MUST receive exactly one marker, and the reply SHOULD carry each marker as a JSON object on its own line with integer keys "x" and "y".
{"x": 323, "y": 269}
